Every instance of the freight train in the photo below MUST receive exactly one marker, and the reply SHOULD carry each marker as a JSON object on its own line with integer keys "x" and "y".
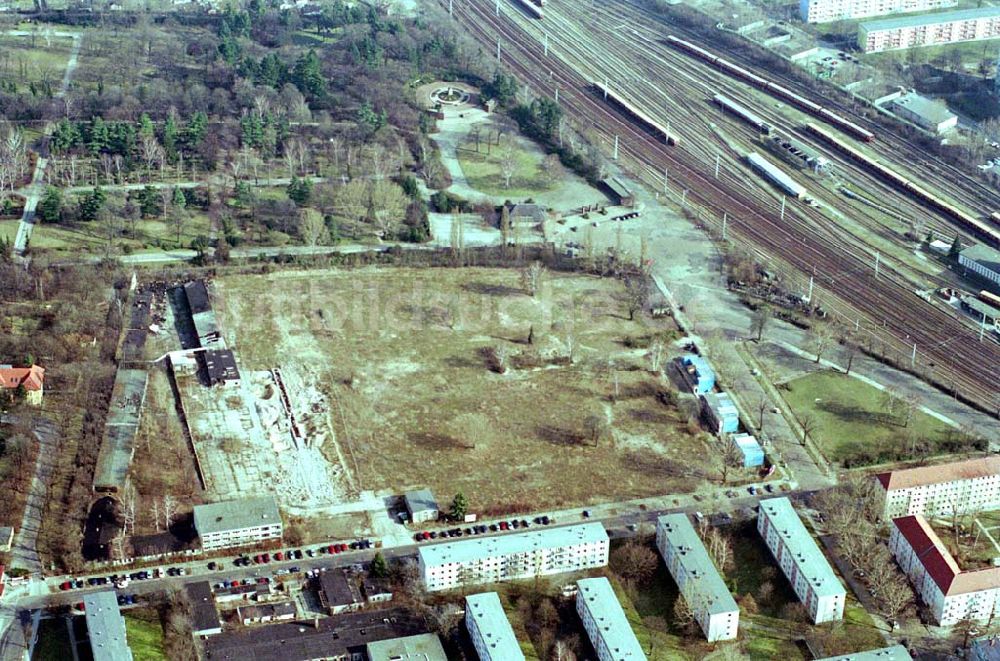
{"x": 661, "y": 132}
{"x": 774, "y": 88}
{"x": 974, "y": 225}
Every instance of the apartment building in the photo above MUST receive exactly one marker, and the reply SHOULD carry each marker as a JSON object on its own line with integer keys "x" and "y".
{"x": 929, "y": 29}
{"x": 963, "y": 486}
{"x": 824, "y": 11}
{"x": 510, "y": 557}
{"x": 697, "y": 577}
{"x": 605, "y": 622}
{"x": 235, "y": 523}
{"x": 106, "y": 627}
{"x": 950, "y": 593}
{"x": 801, "y": 560}
{"x": 489, "y": 628}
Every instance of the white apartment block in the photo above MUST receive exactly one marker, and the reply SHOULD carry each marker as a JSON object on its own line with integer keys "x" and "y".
{"x": 233, "y": 523}
{"x": 605, "y": 622}
{"x": 951, "y": 594}
{"x": 824, "y": 11}
{"x": 802, "y": 562}
{"x": 697, "y": 577}
{"x": 489, "y": 628}
{"x": 962, "y": 486}
{"x": 511, "y": 557}
{"x": 929, "y": 29}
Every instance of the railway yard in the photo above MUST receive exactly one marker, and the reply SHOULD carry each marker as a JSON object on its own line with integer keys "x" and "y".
{"x": 846, "y": 235}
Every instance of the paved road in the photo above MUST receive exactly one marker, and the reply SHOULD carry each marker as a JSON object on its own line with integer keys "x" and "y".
{"x": 34, "y": 191}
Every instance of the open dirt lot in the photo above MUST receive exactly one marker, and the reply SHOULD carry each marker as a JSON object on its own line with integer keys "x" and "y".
{"x": 405, "y": 358}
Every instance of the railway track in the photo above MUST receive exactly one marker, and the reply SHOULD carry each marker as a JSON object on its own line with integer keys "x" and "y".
{"x": 793, "y": 240}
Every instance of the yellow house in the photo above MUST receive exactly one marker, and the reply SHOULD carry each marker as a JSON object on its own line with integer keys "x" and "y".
{"x": 31, "y": 379}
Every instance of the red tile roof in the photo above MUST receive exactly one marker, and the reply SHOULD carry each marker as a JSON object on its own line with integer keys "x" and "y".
{"x": 30, "y": 377}
{"x": 939, "y": 564}
{"x": 959, "y": 470}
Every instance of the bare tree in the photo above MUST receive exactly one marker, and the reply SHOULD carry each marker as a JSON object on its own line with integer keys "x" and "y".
{"x": 656, "y": 354}
{"x": 634, "y": 561}
{"x": 508, "y": 162}
{"x": 720, "y": 549}
{"x": 130, "y": 501}
{"x": 892, "y": 398}
{"x": 531, "y": 277}
{"x": 169, "y": 506}
{"x": 636, "y": 295}
{"x": 730, "y": 457}
{"x": 759, "y": 321}
{"x": 311, "y": 226}
{"x": 820, "y": 339}
{"x": 807, "y": 421}
{"x": 388, "y": 207}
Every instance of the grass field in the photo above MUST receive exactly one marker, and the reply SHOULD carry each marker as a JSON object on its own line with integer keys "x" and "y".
{"x": 28, "y": 59}
{"x": 484, "y": 173}
{"x": 145, "y": 634}
{"x": 850, "y": 420}
{"x": 403, "y": 356}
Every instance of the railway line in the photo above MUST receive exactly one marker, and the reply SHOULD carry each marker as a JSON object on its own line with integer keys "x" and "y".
{"x": 794, "y": 240}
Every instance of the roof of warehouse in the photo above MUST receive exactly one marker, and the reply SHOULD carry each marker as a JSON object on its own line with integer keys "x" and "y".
{"x": 197, "y": 296}
{"x": 494, "y": 627}
{"x": 894, "y": 653}
{"x": 930, "y": 110}
{"x": 421, "y": 647}
{"x": 985, "y": 255}
{"x": 420, "y": 500}
{"x": 236, "y": 515}
{"x": 808, "y": 558}
{"x": 694, "y": 559}
{"x": 607, "y": 612}
{"x": 969, "y": 469}
{"x": 106, "y": 627}
{"x": 930, "y": 19}
{"x": 204, "y": 614}
{"x": 721, "y": 403}
{"x": 525, "y": 542}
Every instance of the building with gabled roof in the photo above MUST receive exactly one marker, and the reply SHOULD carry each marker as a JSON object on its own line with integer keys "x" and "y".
{"x": 700, "y": 583}
{"x": 489, "y": 628}
{"x": 801, "y": 560}
{"x": 951, "y": 594}
{"x": 605, "y": 622}
{"x": 31, "y": 379}
{"x": 972, "y": 485}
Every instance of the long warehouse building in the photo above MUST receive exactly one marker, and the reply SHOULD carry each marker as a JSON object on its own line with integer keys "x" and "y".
{"x": 510, "y": 557}
{"x": 775, "y": 175}
{"x": 930, "y": 29}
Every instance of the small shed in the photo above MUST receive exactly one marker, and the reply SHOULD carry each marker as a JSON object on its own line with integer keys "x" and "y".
{"x": 376, "y": 590}
{"x": 421, "y": 505}
{"x": 753, "y": 454}
{"x": 696, "y": 371}
{"x": 620, "y": 194}
{"x": 721, "y": 413}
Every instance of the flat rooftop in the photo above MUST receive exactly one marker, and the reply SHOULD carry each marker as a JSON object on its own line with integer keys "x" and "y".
{"x": 894, "y": 653}
{"x": 236, "y": 515}
{"x": 105, "y": 627}
{"x": 929, "y": 110}
{"x": 696, "y": 563}
{"x": 985, "y": 255}
{"x": 930, "y": 19}
{"x": 421, "y": 647}
{"x": 503, "y": 545}
{"x": 807, "y": 556}
{"x": 121, "y": 426}
{"x": 487, "y": 612}
{"x": 420, "y": 500}
{"x": 610, "y": 618}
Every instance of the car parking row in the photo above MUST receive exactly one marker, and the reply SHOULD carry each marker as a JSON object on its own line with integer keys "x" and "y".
{"x": 483, "y": 528}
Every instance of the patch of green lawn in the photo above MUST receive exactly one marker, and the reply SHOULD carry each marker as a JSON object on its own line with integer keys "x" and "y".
{"x": 483, "y": 170}
{"x": 145, "y": 634}
{"x": 851, "y": 424}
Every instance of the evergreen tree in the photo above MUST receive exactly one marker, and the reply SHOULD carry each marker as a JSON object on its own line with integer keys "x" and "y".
{"x": 150, "y": 202}
{"x": 50, "y": 206}
{"x": 196, "y": 128}
{"x": 146, "y": 126}
{"x": 307, "y": 75}
{"x": 170, "y": 138}
{"x": 956, "y": 248}
{"x": 65, "y": 136}
{"x": 92, "y": 203}
{"x": 299, "y": 191}
{"x": 100, "y": 138}
{"x": 178, "y": 201}
{"x": 379, "y": 568}
{"x": 459, "y": 507}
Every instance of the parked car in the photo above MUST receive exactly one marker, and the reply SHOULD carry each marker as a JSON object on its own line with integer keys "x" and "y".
{"x": 66, "y": 585}
{"x": 752, "y": 489}
{"x": 266, "y": 557}
{"x": 213, "y": 566}
{"x": 279, "y": 556}
{"x": 586, "y": 514}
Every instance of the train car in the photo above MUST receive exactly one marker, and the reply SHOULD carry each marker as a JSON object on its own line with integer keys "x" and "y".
{"x": 995, "y": 216}
{"x": 776, "y": 175}
{"x": 743, "y": 113}
{"x": 970, "y": 223}
{"x": 990, "y": 298}
{"x": 661, "y": 131}
{"x": 773, "y": 88}
{"x": 532, "y": 8}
